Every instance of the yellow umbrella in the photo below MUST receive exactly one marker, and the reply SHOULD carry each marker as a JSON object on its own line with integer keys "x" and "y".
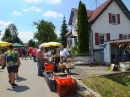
{"x": 3, "y": 43}
{"x": 49, "y": 44}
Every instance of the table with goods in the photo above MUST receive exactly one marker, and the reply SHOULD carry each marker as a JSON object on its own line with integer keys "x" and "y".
{"x": 62, "y": 83}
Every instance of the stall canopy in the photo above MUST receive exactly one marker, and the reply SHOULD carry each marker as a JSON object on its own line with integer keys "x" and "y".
{"x": 49, "y": 44}
{"x": 17, "y": 45}
{"x": 3, "y": 43}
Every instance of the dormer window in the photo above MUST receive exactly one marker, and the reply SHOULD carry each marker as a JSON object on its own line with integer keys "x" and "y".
{"x": 114, "y": 18}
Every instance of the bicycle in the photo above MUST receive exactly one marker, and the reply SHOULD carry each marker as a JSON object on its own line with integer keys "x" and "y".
{"x": 92, "y": 61}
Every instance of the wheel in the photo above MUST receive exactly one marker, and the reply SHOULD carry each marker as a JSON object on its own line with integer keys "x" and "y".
{"x": 90, "y": 63}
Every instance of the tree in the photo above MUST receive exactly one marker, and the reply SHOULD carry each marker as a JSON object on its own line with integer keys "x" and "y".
{"x": 64, "y": 31}
{"x": 45, "y": 31}
{"x": 11, "y": 34}
{"x": 83, "y": 29}
{"x": 7, "y": 36}
{"x": 31, "y": 43}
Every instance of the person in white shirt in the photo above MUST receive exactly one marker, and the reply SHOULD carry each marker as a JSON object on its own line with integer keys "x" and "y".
{"x": 64, "y": 54}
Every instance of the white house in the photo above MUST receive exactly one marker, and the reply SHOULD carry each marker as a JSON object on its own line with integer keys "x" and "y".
{"x": 110, "y": 21}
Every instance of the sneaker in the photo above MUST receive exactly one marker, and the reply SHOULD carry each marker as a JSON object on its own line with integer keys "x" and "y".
{"x": 14, "y": 85}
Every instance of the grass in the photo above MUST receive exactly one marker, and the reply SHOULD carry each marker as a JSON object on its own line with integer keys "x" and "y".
{"x": 106, "y": 87}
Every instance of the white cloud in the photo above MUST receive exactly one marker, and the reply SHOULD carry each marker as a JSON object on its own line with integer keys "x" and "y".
{"x": 4, "y": 24}
{"x": 25, "y": 36}
{"x": 36, "y": 1}
{"x": 53, "y": 1}
{"x": 33, "y": 9}
{"x": 26, "y": 10}
{"x": 52, "y": 14}
{"x": 16, "y": 13}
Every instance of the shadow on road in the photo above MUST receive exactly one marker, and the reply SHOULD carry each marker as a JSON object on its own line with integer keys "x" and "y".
{"x": 19, "y": 89}
{"x": 18, "y": 79}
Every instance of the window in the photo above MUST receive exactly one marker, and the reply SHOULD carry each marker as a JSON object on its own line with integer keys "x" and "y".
{"x": 124, "y": 36}
{"x": 114, "y": 19}
{"x": 101, "y": 38}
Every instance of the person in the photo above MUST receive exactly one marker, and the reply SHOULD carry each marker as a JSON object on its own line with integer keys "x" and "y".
{"x": 30, "y": 52}
{"x": 64, "y": 54}
{"x": 10, "y": 60}
{"x": 19, "y": 63}
{"x": 40, "y": 59}
{"x": 34, "y": 54}
{"x": 23, "y": 53}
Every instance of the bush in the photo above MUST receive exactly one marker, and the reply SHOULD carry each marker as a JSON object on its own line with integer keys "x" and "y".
{"x": 74, "y": 50}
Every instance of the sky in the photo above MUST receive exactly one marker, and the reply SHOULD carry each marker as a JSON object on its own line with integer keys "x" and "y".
{"x": 22, "y": 13}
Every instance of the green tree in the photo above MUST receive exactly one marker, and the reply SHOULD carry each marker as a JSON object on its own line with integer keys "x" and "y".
{"x": 7, "y": 36}
{"x": 31, "y": 43}
{"x": 83, "y": 29}
{"x": 64, "y": 31}
{"x": 45, "y": 31}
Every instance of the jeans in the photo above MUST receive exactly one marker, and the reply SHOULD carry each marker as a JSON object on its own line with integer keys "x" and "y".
{"x": 34, "y": 59}
{"x": 40, "y": 66}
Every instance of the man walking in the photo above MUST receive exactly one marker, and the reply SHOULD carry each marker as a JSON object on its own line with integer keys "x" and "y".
{"x": 10, "y": 61}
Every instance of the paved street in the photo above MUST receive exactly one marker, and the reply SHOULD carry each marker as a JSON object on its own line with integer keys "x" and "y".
{"x": 29, "y": 84}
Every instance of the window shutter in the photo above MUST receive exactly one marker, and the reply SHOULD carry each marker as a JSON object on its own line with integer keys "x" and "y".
{"x": 110, "y": 18}
{"x": 96, "y": 39}
{"x": 120, "y": 36}
{"x": 108, "y": 36}
{"x": 118, "y": 18}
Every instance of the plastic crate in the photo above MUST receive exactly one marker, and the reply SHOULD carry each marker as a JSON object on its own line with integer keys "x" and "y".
{"x": 66, "y": 90}
{"x": 49, "y": 77}
{"x": 48, "y": 67}
{"x": 63, "y": 79}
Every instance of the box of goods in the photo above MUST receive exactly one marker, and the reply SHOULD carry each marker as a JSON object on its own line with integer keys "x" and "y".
{"x": 128, "y": 63}
{"x": 123, "y": 66}
{"x": 70, "y": 65}
{"x": 49, "y": 78}
{"x": 66, "y": 90}
{"x": 62, "y": 65}
{"x": 48, "y": 67}
{"x": 63, "y": 79}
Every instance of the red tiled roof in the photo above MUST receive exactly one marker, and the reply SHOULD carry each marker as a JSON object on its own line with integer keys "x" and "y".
{"x": 93, "y": 14}
{"x": 69, "y": 32}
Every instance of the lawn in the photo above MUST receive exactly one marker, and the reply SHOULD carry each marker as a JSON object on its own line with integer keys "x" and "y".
{"x": 106, "y": 87}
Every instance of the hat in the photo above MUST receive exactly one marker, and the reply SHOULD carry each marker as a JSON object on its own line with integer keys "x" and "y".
{"x": 41, "y": 46}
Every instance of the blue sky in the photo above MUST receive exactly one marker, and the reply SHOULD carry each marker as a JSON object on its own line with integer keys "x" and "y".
{"x": 23, "y": 12}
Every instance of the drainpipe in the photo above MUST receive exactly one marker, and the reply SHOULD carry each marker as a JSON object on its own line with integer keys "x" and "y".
{"x": 91, "y": 41}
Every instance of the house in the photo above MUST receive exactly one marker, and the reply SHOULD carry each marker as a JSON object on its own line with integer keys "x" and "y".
{"x": 110, "y": 21}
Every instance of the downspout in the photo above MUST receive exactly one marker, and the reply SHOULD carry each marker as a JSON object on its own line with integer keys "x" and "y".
{"x": 91, "y": 41}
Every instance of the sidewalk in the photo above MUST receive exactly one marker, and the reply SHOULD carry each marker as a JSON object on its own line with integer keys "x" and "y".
{"x": 29, "y": 84}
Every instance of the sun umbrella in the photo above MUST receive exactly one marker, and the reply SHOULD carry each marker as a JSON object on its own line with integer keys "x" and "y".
{"x": 3, "y": 43}
{"x": 49, "y": 44}
{"x": 17, "y": 45}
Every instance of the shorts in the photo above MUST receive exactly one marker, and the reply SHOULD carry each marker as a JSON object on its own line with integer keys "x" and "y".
{"x": 12, "y": 69}
{"x": 30, "y": 55}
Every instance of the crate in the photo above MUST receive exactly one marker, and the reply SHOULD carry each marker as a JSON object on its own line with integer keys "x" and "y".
{"x": 49, "y": 77}
{"x": 63, "y": 79}
{"x": 66, "y": 90}
{"x": 48, "y": 67}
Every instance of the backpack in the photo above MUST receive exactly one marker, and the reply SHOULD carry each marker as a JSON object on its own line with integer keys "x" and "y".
{"x": 10, "y": 57}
